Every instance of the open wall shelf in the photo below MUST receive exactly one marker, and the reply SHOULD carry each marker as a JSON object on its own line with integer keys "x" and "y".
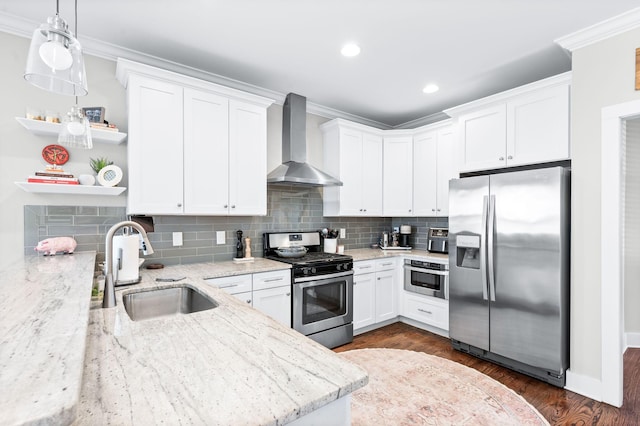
{"x": 44, "y": 128}
{"x": 50, "y": 188}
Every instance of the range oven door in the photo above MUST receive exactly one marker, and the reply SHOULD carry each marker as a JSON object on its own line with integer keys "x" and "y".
{"x": 322, "y": 303}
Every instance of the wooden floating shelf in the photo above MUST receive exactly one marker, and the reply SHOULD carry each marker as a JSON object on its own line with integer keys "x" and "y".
{"x": 54, "y": 188}
{"x": 44, "y": 128}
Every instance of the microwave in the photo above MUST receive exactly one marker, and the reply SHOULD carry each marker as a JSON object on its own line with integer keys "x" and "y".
{"x": 426, "y": 278}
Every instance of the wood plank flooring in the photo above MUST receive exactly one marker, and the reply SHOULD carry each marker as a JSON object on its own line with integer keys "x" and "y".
{"x": 558, "y": 406}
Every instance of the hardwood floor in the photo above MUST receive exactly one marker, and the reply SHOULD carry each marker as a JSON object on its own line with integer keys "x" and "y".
{"x": 558, "y": 406}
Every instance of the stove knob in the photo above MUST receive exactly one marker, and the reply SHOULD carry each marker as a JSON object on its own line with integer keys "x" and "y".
{"x": 339, "y": 266}
{"x": 313, "y": 270}
{"x": 346, "y": 267}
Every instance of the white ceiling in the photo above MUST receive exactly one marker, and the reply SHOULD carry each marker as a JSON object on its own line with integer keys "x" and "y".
{"x": 470, "y": 48}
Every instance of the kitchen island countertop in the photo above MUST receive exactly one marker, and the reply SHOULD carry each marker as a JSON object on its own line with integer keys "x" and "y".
{"x": 227, "y": 365}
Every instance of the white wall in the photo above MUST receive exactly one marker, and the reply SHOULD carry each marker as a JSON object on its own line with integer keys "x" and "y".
{"x": 603, "y": 75}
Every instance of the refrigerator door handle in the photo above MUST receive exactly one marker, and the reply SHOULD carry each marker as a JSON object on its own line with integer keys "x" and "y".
{"x": 491, "y": 232}
{"x": 483, "y": 248}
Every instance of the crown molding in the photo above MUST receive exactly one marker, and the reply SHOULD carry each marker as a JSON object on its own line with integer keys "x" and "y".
{"x": 601, "y": 31}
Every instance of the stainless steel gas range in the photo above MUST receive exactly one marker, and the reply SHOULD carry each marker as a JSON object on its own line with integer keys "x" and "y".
{"x": 322, "y": 286}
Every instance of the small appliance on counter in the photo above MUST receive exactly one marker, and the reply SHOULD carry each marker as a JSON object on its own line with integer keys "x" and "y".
{"x": 438, "y": 240}
{"x": 405, "y": 233}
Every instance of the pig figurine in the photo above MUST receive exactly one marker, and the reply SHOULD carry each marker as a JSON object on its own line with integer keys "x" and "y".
{"x": 51, "y": 246}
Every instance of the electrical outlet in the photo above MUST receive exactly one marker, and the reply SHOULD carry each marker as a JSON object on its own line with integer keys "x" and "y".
{"x": 177, "y": 239}
{"x": 220, "y": 237}
{"x": 343, "y": 233}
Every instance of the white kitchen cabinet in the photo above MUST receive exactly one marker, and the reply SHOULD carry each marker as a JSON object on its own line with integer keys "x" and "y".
{"x": 427, "y": 310}
{"x": 268, "y": 292}
{"x": 195, "y": 148}
{"x": 364, "y": 305}
{"x": 353, "y": 154}
{"x": 275, "y": 302}
{"x": 374, "y": 292}
{"x": 397, "y": 186}
{"x": 526, "y": 125}
{"x": 385, "y": 290}
{"x": 155, "y": 147}
{"x": 433, "y": 167}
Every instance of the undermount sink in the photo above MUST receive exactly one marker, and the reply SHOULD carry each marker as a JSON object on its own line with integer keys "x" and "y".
{"x": 160, "y": 302}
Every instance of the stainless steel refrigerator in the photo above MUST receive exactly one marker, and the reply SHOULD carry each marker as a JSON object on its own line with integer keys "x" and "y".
{"x": 509, "y": 270}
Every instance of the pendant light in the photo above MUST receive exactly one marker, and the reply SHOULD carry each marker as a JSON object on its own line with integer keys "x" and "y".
{"x": 76, "y": 131}
{"x": 55, "y": 61}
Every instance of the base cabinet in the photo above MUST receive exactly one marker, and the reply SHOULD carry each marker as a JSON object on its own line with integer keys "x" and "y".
{"x": 427, "y": 310}
{"x": 374, "y": 292}
{"x": 268, "y": 292}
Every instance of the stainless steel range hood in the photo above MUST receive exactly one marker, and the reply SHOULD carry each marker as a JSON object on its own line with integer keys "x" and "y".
{"x": 294, "y": 168}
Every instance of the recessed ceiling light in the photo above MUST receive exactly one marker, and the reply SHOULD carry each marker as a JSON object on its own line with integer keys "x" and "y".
{"x": 431, "y": 88}
{"x": 350, "y": 50}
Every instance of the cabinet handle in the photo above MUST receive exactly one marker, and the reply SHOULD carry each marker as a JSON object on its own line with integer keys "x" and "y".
{"x": 365, "y": 210}
{"x": 288, "y": 294}
{"x": 233, "y": 206}
{"x": 248, "y": 300}
{"x": 510, "y": 157}
{"x": 361, "y": 210}
{"x": 226, "y": 206}
{"x": 386, "y": 264}
{"x": 270, "y": 280}
{"x": 438, "y": 209}
{"x": 425, "y": 311}
{"x": 179, "y": 204}
{"x": 433, "y": 210}
{"x": 365, "y": 267}
{"x": 501, "y": 158}
{"x": 409, "y": 210}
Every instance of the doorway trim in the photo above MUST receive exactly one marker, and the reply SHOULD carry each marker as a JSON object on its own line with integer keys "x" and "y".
{"x": 612, "y": 272}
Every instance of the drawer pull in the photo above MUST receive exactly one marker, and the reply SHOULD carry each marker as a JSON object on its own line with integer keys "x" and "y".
{"x": 228, "y": 286}
{"x": 248, "y": 300}
{"x": 425, "y": 311}
{"x": 270, "y": 280}
{"x": 288, "y": 294}
{"x": 364, "y": 267}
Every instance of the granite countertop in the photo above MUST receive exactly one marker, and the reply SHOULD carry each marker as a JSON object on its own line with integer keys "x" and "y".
{"x": 376, "y": 253}
{"x": 44, "y": 305}
{"x": 65, "y": 360}
{"x": 227, "y": 365}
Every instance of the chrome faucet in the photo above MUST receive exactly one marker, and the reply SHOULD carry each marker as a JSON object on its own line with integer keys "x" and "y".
{"x": 109, "y": 298}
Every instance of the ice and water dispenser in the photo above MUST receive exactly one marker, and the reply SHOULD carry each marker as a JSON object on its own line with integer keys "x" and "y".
{"x": 468, "y": 251}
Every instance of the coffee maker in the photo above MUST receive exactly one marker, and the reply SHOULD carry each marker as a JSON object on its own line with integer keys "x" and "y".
{"x": 405, "y": 233}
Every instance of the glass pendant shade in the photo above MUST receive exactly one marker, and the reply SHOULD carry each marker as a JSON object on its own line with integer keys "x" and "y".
{"x": 55, "y": 61}
{"x": 75, "y": 131}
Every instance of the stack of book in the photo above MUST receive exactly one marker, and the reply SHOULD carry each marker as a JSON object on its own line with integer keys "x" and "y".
{"x": 104, "y": 126}
{"x": 55, "y": 177}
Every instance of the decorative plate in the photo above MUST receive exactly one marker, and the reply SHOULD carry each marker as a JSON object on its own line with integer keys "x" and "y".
{"x": 55, "y": 154}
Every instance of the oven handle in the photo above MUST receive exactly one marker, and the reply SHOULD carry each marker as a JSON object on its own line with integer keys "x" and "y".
{"x": 426, "y": 270}
{"x": 323, "y": 277}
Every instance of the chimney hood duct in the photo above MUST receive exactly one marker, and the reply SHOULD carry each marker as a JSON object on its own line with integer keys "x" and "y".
{"x": 294, "y": 168}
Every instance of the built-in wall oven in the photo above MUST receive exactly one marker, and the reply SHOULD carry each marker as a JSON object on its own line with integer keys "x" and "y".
{"x": 322, "y": 286}
{"x": 428, "y": 278}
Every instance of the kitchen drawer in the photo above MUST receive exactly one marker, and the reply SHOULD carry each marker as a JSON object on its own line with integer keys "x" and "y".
{"x": 385, "y": 264}
{"x": 233, "y": 284}
{"x": 364, "y": 267}
{"x": 427, "y": 310}
{"x": 264, "y": 280}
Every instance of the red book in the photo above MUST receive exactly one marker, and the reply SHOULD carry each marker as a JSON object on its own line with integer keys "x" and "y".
{"x": 55, "y": 182}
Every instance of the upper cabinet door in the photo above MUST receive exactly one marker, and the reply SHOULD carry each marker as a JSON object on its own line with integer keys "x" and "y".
{"x": 483, "y": 138}
{"x": 397, "y": 191}
{"x": 538, "y": 127}
{"x": 247, "y": 159}
{"x": 206, "y": 153}
{"x": 446, "y": 169}
{"x": 372, "y": 165}
{"x": 351, "y": 165}
{"x": 155, "y": 147}
{"x": 425, "y": 173}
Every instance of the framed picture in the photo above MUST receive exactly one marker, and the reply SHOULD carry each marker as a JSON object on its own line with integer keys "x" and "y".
{"x": 94, "y": 114}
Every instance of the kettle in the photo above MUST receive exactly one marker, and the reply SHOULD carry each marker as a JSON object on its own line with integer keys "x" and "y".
{"x": 126, "y": 261}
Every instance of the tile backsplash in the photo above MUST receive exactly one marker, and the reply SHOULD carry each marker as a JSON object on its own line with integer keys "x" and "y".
{"x": 290, "y": 208}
